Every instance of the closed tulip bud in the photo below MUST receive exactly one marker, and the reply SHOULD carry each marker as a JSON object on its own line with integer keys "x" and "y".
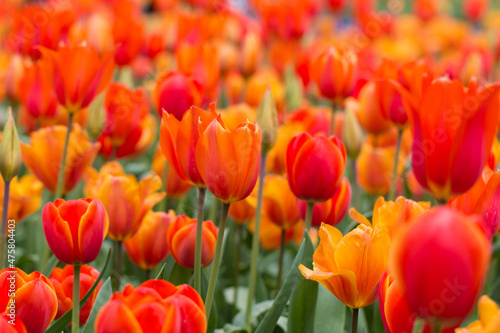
{"x": 75, "y": 229}
{"x": 32, "y": 296}
{"x": 148, "y": 246}
{"x": 315, "y": 166}
{"x": 10, "y": 149}
{"x": 154, "y": 306}
{"x": 8, "y": 325}
{"x": 350, "y": 266}
{"x": 62, "y": 279}
{"x": 267, "y": 118}
{"x": 181, "y": 238}
{"x": 331, "y": 211}
{"x": 97, "y": 118}
{"x": 489, "y": 318}
{"x": 429, "y": 244}
{"x": 353, "y": 133}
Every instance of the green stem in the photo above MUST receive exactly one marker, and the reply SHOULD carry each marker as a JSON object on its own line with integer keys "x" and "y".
{"x": 163, "y": 205}
{"x": 118, "y": 264}
{"x": 332, "y": 121}
{"x": 356, "y": 190}
{"x": 392, "y": 191}
{"x": 255, "y": 244}
{"x": 418, "y": 325}
{"x": 354, "y": 326}
{"x": 60, "y": 178}
{"x": 199, "y": 230}
{"x": 280, "y": 263}
{"x": 217, "y": 256}
{"x": 148, "y": 274}
{"x": 5, "y": 211}
{"x": 309, "y": 214}
{"x": 76, "y": 299}
{"x": 238, "y": 238}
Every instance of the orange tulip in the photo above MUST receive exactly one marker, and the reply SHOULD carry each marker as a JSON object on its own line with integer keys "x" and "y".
{"x": 128, "y": 33}
{"x": 11, "y": 325}
{"x": 233, "y": 86}
{"x": 236, "y": 114}
{"x": 333, "y": 71}
{"x": 489, "y": 318}
{"x": 243, "y": 211}
{"x": 34, "y": 300}
{"x": 441, "y": 280}
{"x": 175, "y": 186}
{"x": 11, "y": 77}
{"x": 95, "y": 31}
{"x": 126, "y": 200}
{"x": 75, "y": 229}
{"x": 426, "y": 9}
{"x": 257, "y": 85}
{"x": 350, "y": 266}
{"x": 315, "y": 166}
{"x": 148, "y": 246}
{"x": 181, "y": 238}
{"x": 25, "y": 196}
{"x": 78, "y": 74}
{"x": 278, "y": 202}
{"x": 331, "y": 211}
{"x": 369, "y": 113}
{"x": 229, "y": 161}
{"x": 442, "y": 141}
{"x": 270, "y": 233}
{"x": 251, "y": 53}
{"x": 43, "y": 155}
{"x": 317, "y": 120}
{"x": 276, "y": 158}
{"x": 62, "y": 279}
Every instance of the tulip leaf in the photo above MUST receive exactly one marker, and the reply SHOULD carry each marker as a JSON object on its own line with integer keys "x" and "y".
{"x": 49, "y": 267}
{"x": 272, "y": 316}
{"x": 102, "y": 298}
{"x": 169, "y": 265}
{"x": 330, "y": 312}
{"x": 179, "y": 275}
{"x": 303, "y": 299}
{"x": 60, "y": 324}
{"x": 162, "y": 270}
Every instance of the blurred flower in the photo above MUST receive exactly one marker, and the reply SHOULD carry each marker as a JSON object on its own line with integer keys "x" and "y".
{"x": 350, "y": 266}
{"x": 267, "y": 118}
{"x": 148, "y": 246}
{"x": 25, "y": 196}
{"x": 96, "y": 31}
{"x": 128, "y": 33}
{"x": 233, "y": 87}
{"x": 12, "y": 76}
{"x": 62, "y": 279}
{"x": 251, "y": 53}
{"x": 43, "y": 155}
{"x": 257, "y": 85}
{"x": 416, "y": 190}
{"x": 316, "y": 120}
{"x": 154, "y": 306}
{"x": 489, "y": 318}
{"x": 236, "y": 114}
{"x": 279, "y": 203}
{"x": 270, "y": 233}
{"x": 175, "y": 186}
{"x": 426, "y": 9}
{"x": 10, "y": 150}
{"x": 243, "y": 211}
{"x": 369, "y": 113}
{"x": 474, "y": 10}
{"x": 353, "y": 134}
{"x": 276, "y": 158}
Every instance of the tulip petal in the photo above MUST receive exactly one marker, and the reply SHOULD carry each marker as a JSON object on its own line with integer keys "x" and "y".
{"x": 115, "y": 316}
{"x": 36, "y": 305}
{"x": 58, "y": 233}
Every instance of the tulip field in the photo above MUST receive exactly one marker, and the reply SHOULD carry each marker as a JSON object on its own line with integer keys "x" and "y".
{"x": 241, "y": 166}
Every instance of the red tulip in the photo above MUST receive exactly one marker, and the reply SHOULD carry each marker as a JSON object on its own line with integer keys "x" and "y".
{"x": 10, "y": 323}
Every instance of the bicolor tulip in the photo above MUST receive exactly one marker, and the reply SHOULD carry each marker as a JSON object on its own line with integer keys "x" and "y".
{"x": 316, "y": 120}
{"x": 128, "y": 33}
{"x": 154, "y": 306}
{"x": 441, "y": 280}
{"x": 450, "y": 149}
{"x": 62, "y": 279}
{"x": 44, "y": 153}
{"x": 179, "y": 139}
{"x": 181, "y": 239}
{"x": 279, "y": 203}
{"x": 315, "y": 166}
{"x": 243, "y": 211}
{"x": 11, "y": 325}
{"x": 25, "y": 196}
{"x": 331, "y": 211}
{"x": 175, "y": 186}
{"x": 75, "y": 229}
{"x": 489, "y": 318}
{"x": 78, "y": 74}
{"x": 229, "y": 161}
{"x": 34, "y": 296}
{"x": 350, "y": 266}
{"x": 148, "y": 246}
{"x": 369, "y": 114}
{"x": 126, "y": 200}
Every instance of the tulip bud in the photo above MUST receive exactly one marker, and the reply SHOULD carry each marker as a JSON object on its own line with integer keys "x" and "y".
{"x": 353, "y": 134}
{"x": 267, "y": 118}
{"x": 10, "y": 150}
{"x": 293, "y": 89}
{"x": 96, "y": 118}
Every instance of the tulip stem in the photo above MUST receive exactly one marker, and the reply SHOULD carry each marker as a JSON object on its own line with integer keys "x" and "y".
{"x": 418, "y": 325}
{"x": 217, "y": 256}
{"x": 238, "y": 239}
{"x": 76, "y": 299}
{"x": 199, "y": 230}
{"x": 280, "y": 263}
{"x": 118, "y": 264}
{"x": 255, "y": 244}
{"x": 148, "y": 274}
{"x": 5, "y": 211}
{"x": 309, "y": 214}
{"x": 354, "y": 326}
{"x": 392, "y": 191}
{"x": 62, "y": 169}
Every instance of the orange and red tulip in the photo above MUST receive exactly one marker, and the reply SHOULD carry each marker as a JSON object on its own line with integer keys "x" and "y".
{"x": 75, "y": 229}
{"x": 62, "y": 279}
{"x": 441, "y": 280}
{"x": 350, "y": 266}
{"x": 279, "y": 203}
{"x": 175, "y": 186}
{"x": 25, "y": 196}
{"x": 128, "y": 34}
{"x": 426, "y": 9}
{"x": 181, "y": 239}
{"x": 331, "y": 211}
{"x": 317, "y": 120}
{"x": 78, "y": 74}
{"x": 315, "y": 166}
{"x": 11, "y": 77}
{"x": 270, "y": 234}
{"x": 148, "y": 246}
{"x": 154, "y": 306}
{"x": 369, "y": 114}
{"x": 474, "y": 10}
{"x": 229, "y": 161}
{"x": 35, "y": 298}
{"x": 10, "y": 323}
{"x": 257, "y": 85}
{"x": 243, "y": 211}
{"x": 43, "y": 155}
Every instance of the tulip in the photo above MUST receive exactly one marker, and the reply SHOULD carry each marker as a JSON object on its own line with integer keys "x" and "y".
{"x": 353, "y": 134}
{"x": 12, "y": 75}
{"x": 369, "y": 113}
{"x": 474, "y": 10}
{"x": 444, "y": 297}
{"x": 236, "y": 114}
{"x": 34, "y": 296}
{"x": 148, "y": 246}
{"x": 175, "y": 93}
{"x": 43, "y": 154}
{"x": 350, "y": 266}
{"x": 276, "y": 158}
{"x": 174, "y": 186}
{"x": 444, "y": 140}
{"x": 242, "y": 211}
{"x": 95, "y": 31}
{"x": 258, "y": 84}
{"x": 331, "y": 211}
{"x": 426, "y": 9}
{"x": 128, "y": 34}
{"x": 279, "y": 204}
{"x": 154, "y": 306}
{"x": 251, "y": 53}
{"x": 62, "y": 279}
{"x": 25, "y": 196}
{"x": 317, "y": 120}
{"x": 270, "y": 234}
{"x": 489, "y": 318}
{"x": 267, "y": 118}
{"x": 9, "y": 325}
{"x": 315, "y": 166}
{"x": 10, "y": 151}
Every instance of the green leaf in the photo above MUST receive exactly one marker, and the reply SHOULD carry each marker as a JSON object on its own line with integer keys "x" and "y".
{"x": 330, "y": 312}
{"x": 162, "y": 271}
{"x": 179, "y": 275}
{"x": 303, "y": 300}
{"x": 49, "y": 267}
{"x": 59, "y": 325}
{"x": 272, "y": 316}
{"x": 102, "y": 298}
{"x": 169, "y": 266}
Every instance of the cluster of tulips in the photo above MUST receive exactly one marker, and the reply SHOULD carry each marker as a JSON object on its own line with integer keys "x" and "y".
{"x": 348, "y": 144}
